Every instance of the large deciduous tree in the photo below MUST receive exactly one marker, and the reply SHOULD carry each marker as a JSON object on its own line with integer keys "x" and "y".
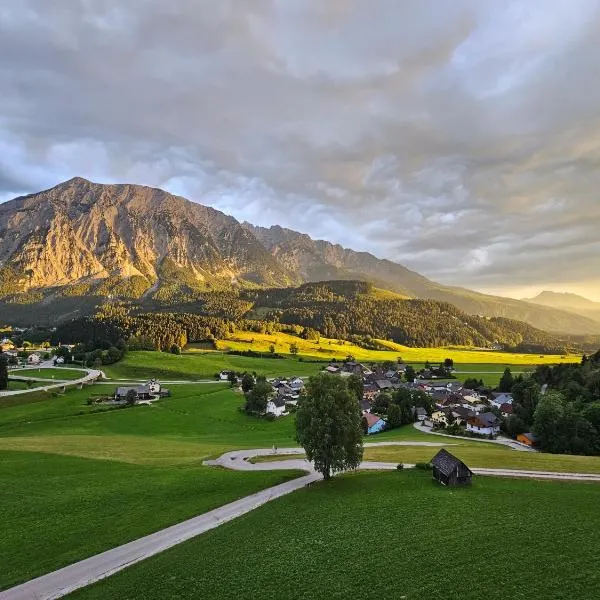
{"x": 328, "y": 425}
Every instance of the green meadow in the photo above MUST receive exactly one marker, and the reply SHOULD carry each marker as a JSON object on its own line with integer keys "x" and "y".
{"x": 78, "y": 479}
{"x": 387, "y": 535}
{"x": 48, "y": 373}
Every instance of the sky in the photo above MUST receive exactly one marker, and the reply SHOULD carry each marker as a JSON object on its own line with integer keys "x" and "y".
{"x": 461, "y": 139}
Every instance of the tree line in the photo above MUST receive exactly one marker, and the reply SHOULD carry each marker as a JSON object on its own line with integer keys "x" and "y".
{"x": 561, "y": 406}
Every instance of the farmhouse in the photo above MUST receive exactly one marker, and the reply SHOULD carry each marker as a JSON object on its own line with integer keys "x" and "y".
{"x": 149, "y": 391}
{"x": 34, "y": 359}
{"x": 506, "y": 409}
{"x": 529, "y": 439}
{"x": 484, "y": 424}
{"x": 333, "y": 369}
{"x": 375, "y": 424}
{"x": 276, "y": 406}
{"x": 449, "y": 470}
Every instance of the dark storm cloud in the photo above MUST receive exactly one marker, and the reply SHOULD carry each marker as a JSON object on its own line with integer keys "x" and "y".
{"x": 463, "y": 141}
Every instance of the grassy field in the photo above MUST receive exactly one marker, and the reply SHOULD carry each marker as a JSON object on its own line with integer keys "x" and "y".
{"x": 16, "y": 385}
{"x": 387, "y": 535}
{"x": 44, "y": 373}
{"x": 339, "y": 349}
{"x": 58, "y": 509}
{"x": 202, "y": 365}
{"x": 74, "y": 482}
{"x": 77, "y": 479}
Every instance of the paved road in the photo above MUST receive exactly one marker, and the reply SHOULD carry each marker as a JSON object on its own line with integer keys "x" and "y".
{"x": 78, "y": 575}
{"x": 502, "y": 441}
{"x": 90, "y": 375}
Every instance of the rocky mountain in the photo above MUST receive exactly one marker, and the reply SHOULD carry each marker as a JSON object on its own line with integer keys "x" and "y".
{"x": 317, "y": 260}
{"x": 570, "y": 302}
{"x": 137, "y": 238}
{"x": 81, "y": 241}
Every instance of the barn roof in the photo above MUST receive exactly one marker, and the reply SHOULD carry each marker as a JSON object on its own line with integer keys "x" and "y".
{"x": 446, "y": 463}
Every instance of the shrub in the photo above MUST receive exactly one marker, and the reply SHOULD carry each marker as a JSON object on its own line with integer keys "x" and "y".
{"x": 400, "y": 466}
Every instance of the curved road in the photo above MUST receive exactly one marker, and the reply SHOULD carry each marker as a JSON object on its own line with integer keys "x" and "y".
{"x": 80, "y": 574}
{"x": 90, "y": 376}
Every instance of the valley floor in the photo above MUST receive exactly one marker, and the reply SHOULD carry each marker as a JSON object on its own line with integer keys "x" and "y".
{"x": 76, "y": 480}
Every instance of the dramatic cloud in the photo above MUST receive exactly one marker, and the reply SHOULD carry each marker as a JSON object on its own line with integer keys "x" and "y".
{"x": 461, "y": 139}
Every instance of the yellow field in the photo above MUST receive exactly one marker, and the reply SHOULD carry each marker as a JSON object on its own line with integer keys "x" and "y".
{"x": 339, "y": 349}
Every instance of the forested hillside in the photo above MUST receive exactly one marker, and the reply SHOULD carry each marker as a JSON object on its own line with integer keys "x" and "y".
{"x": 339, "y": 309}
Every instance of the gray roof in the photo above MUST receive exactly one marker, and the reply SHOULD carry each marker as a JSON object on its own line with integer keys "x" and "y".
{"x": 446, "y": 463}
{"x": 138, "y": 389}
{"x": 488, "y": 419}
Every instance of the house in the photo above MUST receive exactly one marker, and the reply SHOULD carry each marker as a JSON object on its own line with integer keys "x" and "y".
{"x": 384, "y": 384}
{"x": 276, "y": 406}
{"x": 486, "y": 423}
{"x": 333, "y": 369}
{"x": 499, "y": 398}
{"x": 365, "y": 406}
{"x": 370, "y": 390}
{"x": 529, "y": 439}
{"x": 506, "y": 409}
{"x": 34, "y": 359}
{"x": 224, "y": 375}
{"x": 151, "y": 390}
{"x": 296, "y": 384}
{"x": 5, "y": 345}
{"x": 449, "y": 470}
{"x": 375, "y": 424}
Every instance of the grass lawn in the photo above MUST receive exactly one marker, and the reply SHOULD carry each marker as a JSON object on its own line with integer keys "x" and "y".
{"x": 49, "y": 373}
{"x": 331, "y": 348}
{"x": 387, "y": 535}
{"x": 60, "y": 509}
{"x": 16, "y": 385}
{"x": 202, "y": 365}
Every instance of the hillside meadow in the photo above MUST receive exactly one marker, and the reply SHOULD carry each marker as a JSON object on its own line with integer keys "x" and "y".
{"x": 387, "y": 535}
{"x": 327, "y": 349}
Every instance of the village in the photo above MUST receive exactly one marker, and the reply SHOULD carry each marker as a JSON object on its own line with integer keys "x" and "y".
{"x": 437, "y": 405}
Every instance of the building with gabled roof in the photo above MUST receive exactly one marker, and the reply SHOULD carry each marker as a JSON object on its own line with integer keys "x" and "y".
{"x": 449, "y": 470}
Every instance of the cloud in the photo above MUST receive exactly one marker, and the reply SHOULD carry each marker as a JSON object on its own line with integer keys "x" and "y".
{"x": 463, "y": 143}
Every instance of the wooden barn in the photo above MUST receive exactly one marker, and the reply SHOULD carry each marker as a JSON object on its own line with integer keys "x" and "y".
{"x": 449, "y": 470}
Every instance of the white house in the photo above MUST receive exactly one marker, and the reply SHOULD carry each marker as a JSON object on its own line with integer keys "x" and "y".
{"x": 34, "y": 359}
{"x": 276, "y": 406}
{"x": 224, "y": 375}
{"x": 484, "y": 424}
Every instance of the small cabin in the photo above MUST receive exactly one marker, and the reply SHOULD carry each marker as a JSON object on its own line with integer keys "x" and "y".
{"x": 449, "y": 470}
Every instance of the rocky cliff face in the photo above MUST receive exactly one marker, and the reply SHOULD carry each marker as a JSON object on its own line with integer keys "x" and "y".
{"x": 85, "y": 231}
{"x": 85, "y": 239}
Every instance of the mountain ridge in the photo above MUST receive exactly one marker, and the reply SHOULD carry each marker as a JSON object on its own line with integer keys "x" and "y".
{"x": 568, "y": 301}
{"x": 80, "y": 239}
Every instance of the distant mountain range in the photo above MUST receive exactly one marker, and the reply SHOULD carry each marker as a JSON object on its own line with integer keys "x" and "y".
{"x": 81, "y": 241}
{"x": 569, "y": 302}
